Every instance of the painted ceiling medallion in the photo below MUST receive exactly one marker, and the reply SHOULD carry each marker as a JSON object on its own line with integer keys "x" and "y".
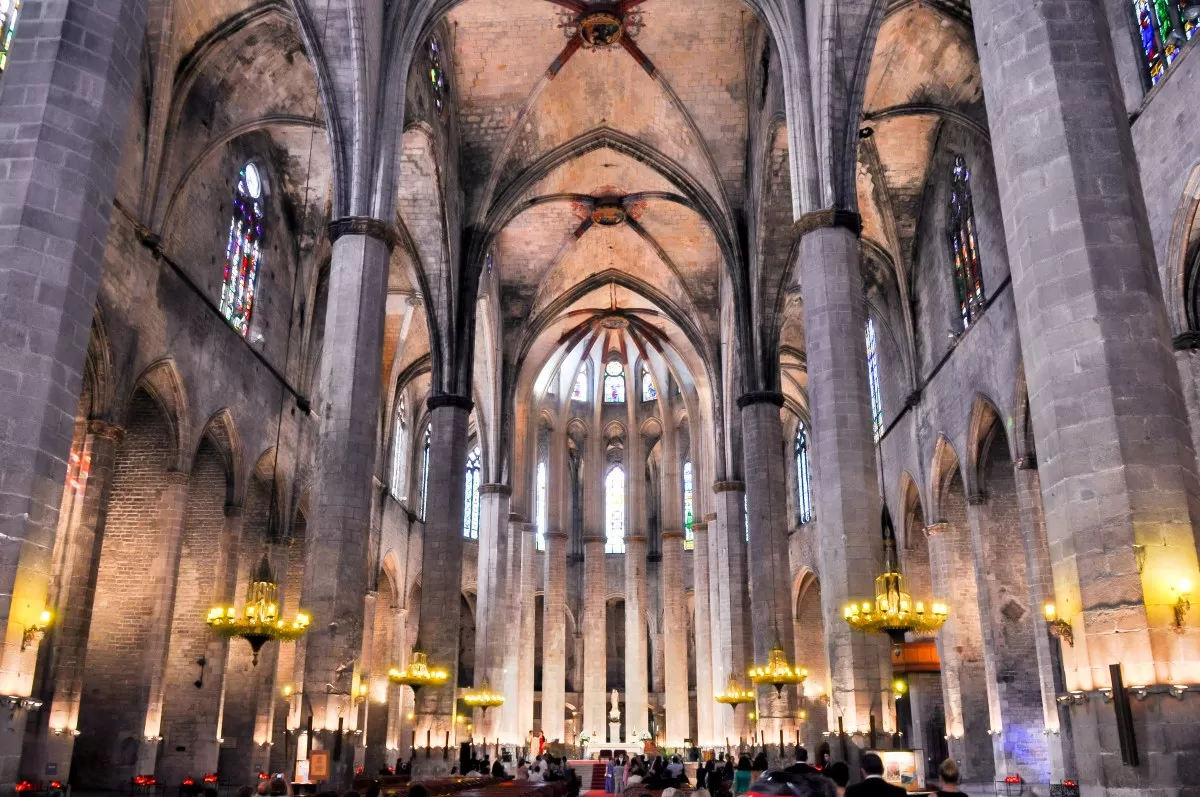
{"x": 614, "y": 322}
{"x": 608, "y": 214}
{"x": 601, "y": 29}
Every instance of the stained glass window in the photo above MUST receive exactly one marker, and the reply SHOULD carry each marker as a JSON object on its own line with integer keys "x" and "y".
{"x": 425, "y": 472}
{"x": 689, "y": 538}
{"x": 580, "y": 389}
{"x": 649, "y": 391}
{"x": 242, "y": 252}
{"x": 471, "y": 496}
{"x": 964, "y": 247}
{"x": 614, "y": 383}
{"x": 1163, "y": 27}
{"x": 9, "y": 9}
{"x": 541, "y": 508}
{"x": 614, "y": 503}
{"x": 873, "y": 379}
{"x": 803, "y": 475}
{"x": 437, "y": 76}
{"x": 399, "y": 445}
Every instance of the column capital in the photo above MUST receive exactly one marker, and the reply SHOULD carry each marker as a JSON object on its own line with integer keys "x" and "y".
{"x": 977, "y": 499}
{"x": 673, "y": 534}
{"x": 516, "y": 517}
{"x": 98, "y": 427}
{"x": 829, "y": 217}
{"x": 495, "y": 489}
{"x": 710, "y": 518}
{"x": 729, "y": 487}
{"x": 233, "y": 510}
{"x": 635, "y": 538}
{"x": 934, "y": 529}
{"x": 174, "y": 476}
{"x": 449, "y": 400}
{"x": 1027, "y": 462}
{"x": 759, "y": 397}
{"x": 556, "y": 534}
{"x": 364, "y": 225}
{"x": 592, "y": 539}
{"x": 698, "y": 526}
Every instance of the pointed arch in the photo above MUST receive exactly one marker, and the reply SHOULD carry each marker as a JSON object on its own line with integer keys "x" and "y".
{"x": 162, "y": 382}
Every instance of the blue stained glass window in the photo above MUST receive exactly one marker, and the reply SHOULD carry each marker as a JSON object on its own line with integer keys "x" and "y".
{"x": 614, "y": 510}
{"x": 964, "y": 247}
{"x": 649, "y": 391}
{"x": 873, "y": 379}
{"x": 9, "y": 9}
{"x": 689, "y": 537}
{"x": 803, "y": 475}
{"x": 614, "y": 383}
{"x": 243, "y": 252}
{"x": 437, "y": 76}
{"x": 579, "y": 390}
{"x": 1163, "y": 27}
{"x": 542, "y": 508}
{"x": 471, "y": 496}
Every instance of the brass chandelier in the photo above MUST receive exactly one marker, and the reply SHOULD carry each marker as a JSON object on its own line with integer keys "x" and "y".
{"x": 483, "y": 698}
{"x": 894, "y": 612}
{"x": 259, "y": 622}
{"x": 734, "y": 694}
{"x": 778, "y": 671}
{"x": 418, "y": 673}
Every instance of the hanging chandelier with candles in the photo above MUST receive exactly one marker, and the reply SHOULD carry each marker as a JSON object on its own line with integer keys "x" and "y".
{"x": 418, "y": 673}
{"x": 483, "y": 698}
{"x": 778, "y": 671}
{"x": 734, "y": 694}
{"x": 259, "y": 622}
{"x": 893, "y": 612}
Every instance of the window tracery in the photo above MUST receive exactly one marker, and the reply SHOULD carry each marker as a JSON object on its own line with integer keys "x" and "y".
{"x": 243, "y": 250}
{"x": 964, "y": 246}
{"x": 1163, "y": 27}
{"x": 437, "y": 76}
{"x": 425, "y": 472}
{"x": 803, "y": 475}
{"x": 541, "y": 509}
{"x": 399, "y": 472}
{"x": 9, "y": 9}
{"x": 579, "y": 390}
{"x": 614, "y": 383}
{"x": 471, "y": 496}
{"x": 649, "y": 391}
{"x": 873, "y": 380}
{"x": 689, "y": 537}
{"x": 614, "y": 510}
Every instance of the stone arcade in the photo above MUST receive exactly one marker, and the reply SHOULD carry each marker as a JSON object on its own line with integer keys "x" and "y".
{"x": 579, "y": 346}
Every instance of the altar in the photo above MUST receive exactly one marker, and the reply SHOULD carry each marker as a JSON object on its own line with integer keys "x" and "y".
{"x": 592, "y": 750}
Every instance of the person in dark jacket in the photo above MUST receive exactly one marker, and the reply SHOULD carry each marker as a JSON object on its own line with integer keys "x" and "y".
{"x": 801, "y": 767}
{"x": 873, "y": 784}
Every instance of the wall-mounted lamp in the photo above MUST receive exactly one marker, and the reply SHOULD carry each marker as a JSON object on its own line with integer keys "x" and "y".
{"x": 802, "y": 715}
{"x": 37, "y": 631}
{"x": 1139, "y": 692}
{"x": 361, "y": 693}
{"x": 1058, "y": 627}
{"x": 1177, "y": 691}
{"x": 1183, "y": 602}
{"x": 1106, "y": 693}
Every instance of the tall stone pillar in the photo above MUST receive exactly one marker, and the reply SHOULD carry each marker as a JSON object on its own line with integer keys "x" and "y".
{"x": 65, "y": 115}
{"x": 717, "y": 667}
{"x": 595, "y": 648}
{"x": 637, "y": 698}
{"x": 554, "y": 602}
{"x": 1116, "y": 461}
{"x": 336, "y": 541}
{"x": 527, "y": 608}
{"x": 511, "y": 632}
{"x": 60, "y": 681}
{"x": 492, "y": 626}
{"x": 845, "y": 492}
{"x": 770, "y": 567}
{"x": 674, "y": 627}
{"x": 704, "y": 682}
{"x": 441, "y": 553}
{"x": 733, "y": 629}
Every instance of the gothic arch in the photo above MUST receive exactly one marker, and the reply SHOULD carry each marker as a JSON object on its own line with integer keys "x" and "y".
{"x": 163, "y": 383}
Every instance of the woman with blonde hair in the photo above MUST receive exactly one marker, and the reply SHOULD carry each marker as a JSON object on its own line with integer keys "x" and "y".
{"x": 949, "y": 774}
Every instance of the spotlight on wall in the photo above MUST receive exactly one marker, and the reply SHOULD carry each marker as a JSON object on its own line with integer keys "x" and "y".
{"x": 1059, "y": 627}
{"x": 1178, "y": 690}
{"x": 1183, "y": 602}
{"x": 899, "y": 688}
{"x": 37, "y": 631}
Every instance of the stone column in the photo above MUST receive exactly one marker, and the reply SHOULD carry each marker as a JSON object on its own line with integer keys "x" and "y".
{"x": 441, "y": 554}
{"x": 528, "y": 623}
{"x": 637, "y": 699}
{"x": 491, "y": 608}
{"x": 511, "y": 638}
{"x": 717, "y": 668}
{"x": 595, "y": 648}
{"x": 554, "y": 603}
{"x": 733, "y": 629}
{"x": 674, "y": 626}
{"x": 61, "y": 681}
{"x": 1115, "y": 455}
{"x": 704, "y": 682}
{"x": 769, "y": 564}
{"x": 845, "y": 490}
{"x": 965, "y": 687}
{"x": 336, "y": 541}
{"x": 66, "y": 110}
